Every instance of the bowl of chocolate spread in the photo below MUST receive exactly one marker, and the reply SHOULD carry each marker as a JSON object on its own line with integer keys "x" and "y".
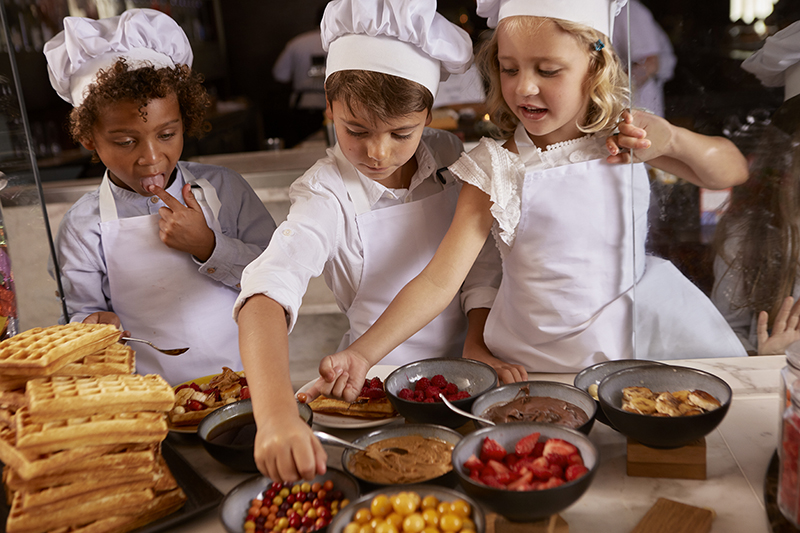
{"x": 548, "y": 402}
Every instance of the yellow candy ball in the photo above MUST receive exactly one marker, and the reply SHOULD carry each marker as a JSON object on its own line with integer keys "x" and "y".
{"x": 430, "y": 502}
{"x": 380, "y": 506}
{"x": 450, "y": 523}
{"x": 362, "y": 516}
{"x": 413, "y": 523}
{"x": 431, "y": 517}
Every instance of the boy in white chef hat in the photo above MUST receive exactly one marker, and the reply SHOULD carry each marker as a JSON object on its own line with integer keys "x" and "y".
{"x": 755, "y": 294}
{"x": 369, "y": 216}
{"x": 160, "y": 246}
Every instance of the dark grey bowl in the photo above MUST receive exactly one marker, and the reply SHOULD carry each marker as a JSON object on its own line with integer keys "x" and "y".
{"x": 551, "y": 389}
{"x": 663, "y": 432}
{"x": 234, "y": 507}
{"x": 236, "y": 453}
{"x": 345, "y": 516}
{"x": 594, "y": 374}
{"x": 473, "y": 376}
{"x": 525, "y": 506}
{"x": 451, "y": 436}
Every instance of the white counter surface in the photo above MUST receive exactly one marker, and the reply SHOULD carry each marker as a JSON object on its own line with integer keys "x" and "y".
{"x": 738, "y": 453}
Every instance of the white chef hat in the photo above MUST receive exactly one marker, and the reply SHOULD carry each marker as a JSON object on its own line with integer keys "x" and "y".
{"x": 144, "y": 37}
{"x": 404, "y": 38}
{"x": 597, "y": 14}
{"x": 778, "y": 61}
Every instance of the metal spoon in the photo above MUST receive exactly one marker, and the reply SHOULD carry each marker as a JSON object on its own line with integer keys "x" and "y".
{"x": 464, "y": 413}
{"x": 327, "y": 438}
{"x": 174, "y": 351}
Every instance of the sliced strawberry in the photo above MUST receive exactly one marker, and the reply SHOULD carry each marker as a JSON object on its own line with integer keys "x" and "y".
{"x": 492, "y": 482}
{"x": 541, "y": 473}
{"x": 557, "y": 470}
{"x": 439, "y": 381}
{"x": 553, "y": 482}
{"x": 475, "y": 475}
{"x": 522, "y": 482}
{"x": 181, "y": 387}
{"x": 511, "y": 459}
{"x": 195, "y": 386}
{"x": 575, "y": 459}
{"x": 194, "y": 405}
{"x": 573, "y": 472}
{"x": 491, "y": 449}
{"x": 473, "y": 462}
{"x": 525, "y": 445}
{"x": 498, "y": 467}
{"x": 558, "y": 451}
{"x": 243, "y": 381}
{"x": 422, "y": 384}
{"x": 245, "y": 393}
{"x": 538, "y": 450}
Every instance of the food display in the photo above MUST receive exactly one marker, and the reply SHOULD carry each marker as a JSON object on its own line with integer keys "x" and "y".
{"x": 82, "y": 452}
{"x": 193, "y": 401}
{"x": 532, "y": 465}
{"x": 411, "y": 511}
{"x": 301, "y": 507}
{"x": 425, "y": 458}
{"x": 643, "y": 401}
{"x": 427, "y": 390}
{"x": 527, "y": 408}
{"x": 371, "y": 403}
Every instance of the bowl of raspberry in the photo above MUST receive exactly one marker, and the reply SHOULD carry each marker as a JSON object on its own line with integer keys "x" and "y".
{"x": 413, "y": 389}
{"x": 525, "y": 471}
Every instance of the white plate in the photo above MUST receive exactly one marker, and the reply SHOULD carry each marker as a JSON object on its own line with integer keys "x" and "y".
{"x": 346, "y": 422}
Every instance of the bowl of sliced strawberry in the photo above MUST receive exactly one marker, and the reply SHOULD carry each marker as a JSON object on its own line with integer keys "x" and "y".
{"x": 414, "y": 389}
{"x": 525, "y": 471}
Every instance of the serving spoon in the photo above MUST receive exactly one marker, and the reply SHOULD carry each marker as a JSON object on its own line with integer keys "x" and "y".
{"x": 465, "y": 413}
{"x": 174, "y": 351}
{"x": 327, "y": 438}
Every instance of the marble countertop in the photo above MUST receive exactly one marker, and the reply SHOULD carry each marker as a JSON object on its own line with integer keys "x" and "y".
{"x": 738, "y": 453}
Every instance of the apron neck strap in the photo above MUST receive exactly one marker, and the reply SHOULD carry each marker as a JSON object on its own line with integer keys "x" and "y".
{"x": 352, "y": 182}
{"x": 108, "y": 207}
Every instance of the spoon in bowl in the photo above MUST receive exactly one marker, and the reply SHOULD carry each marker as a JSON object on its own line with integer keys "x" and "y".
{"x": 174, "y": 351}
{"x": 327, "y": 438}
{"x": 464, "y": 413}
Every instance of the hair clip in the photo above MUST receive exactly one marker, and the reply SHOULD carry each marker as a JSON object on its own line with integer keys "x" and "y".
{"x": 598, "y": 45}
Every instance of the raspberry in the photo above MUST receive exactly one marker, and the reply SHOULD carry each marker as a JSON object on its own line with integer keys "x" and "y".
{"x": 432, "y": 392}
{"x": 422, "y": 384}
{"x": 428, "y": 400}
{"x": 419, "y": 395}
{"x": 451, "y": 388}
{"x": 375, "y": 383}
{"x": 439, "y": 381}
{"x": 406, "y": 394}
{"x": 374, "y": 393}
{"x": 461, "y": 395}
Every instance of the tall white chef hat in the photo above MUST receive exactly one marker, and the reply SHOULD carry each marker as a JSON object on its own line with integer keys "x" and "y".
{"x": 597, "y": 14}
{"x": 778, "y": 61}
{"x": 145, "y": 37}
{"x": 404, "y": 38}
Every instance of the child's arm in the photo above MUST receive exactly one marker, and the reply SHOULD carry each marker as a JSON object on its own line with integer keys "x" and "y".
{"x": 285, "y": 449}
{"x": 785, "y": 329}
{"x": 710, "y": 162}
{"x": 419, "y": 302}
{"x": 475, "y": 348}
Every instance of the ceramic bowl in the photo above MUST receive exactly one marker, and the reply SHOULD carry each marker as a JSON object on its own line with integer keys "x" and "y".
{"x": 551, "y": 389}
{"x": 442, "y": 494}
{"x": 234, "y": 507}
{"x": 424, "y": 430}
{"x": 229, "y": 433}
{"x": 594, "y": 374}
{"x": 528, "y": 505}
{"x": 473, "y": 376}
{"x": 663, "y": 432}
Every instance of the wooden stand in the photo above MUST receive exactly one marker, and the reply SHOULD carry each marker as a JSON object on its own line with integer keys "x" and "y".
{"x": 498, "y": 524}
{"x": 668, "y": 516}
{"x": 687, "y": 462}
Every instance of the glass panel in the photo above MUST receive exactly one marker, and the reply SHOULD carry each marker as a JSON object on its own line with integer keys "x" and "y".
{"x": 28, "y": 292}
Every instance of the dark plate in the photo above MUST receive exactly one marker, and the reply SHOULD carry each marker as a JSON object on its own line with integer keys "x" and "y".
{"x": 201, "y": 495}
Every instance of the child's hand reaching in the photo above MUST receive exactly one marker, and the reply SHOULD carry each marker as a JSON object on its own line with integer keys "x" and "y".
{"x": 640, "y": 137}
{"x": 341, "y": 376}
{"x": 106, "y": 317}
{"x": 183, "y": 227}
{"x": 785, "y": 329}
{"x": 286, "y": 450}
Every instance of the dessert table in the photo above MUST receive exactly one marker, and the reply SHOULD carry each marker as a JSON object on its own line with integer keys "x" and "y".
{"x": 738, "y": 454}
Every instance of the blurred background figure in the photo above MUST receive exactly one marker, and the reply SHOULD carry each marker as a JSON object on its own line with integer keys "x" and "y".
{"x": 302, "y": 63}
{"x": 653, "y": 60}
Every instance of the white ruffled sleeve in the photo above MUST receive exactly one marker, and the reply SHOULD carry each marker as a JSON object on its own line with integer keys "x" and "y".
{"x": 500, "y": 174}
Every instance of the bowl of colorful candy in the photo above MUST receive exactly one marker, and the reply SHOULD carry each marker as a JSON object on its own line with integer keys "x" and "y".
{"x": 525, "y": 471}
{"x": 424, "y": 508}
{"x": 413, "y": 389}
{"x": 260, "y": 504}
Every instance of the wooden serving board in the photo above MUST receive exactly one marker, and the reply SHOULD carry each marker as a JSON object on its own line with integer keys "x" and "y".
{"x": 687, "y": 462}
{"x": 668, "y": 516}
{"x": 498, "y": 524}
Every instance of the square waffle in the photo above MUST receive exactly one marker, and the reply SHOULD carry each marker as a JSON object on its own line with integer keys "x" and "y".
{"x": 114, "y": 359}
{"x": 62, "y": 397}
{"x": 123, "y": 428}
{"x": 152, "y": 471}
{"x": 42, "y": 351}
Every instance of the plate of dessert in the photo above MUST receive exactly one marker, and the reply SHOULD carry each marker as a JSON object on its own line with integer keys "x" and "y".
{"x": 371, "y": 409}
{"x": 197, "y": 398}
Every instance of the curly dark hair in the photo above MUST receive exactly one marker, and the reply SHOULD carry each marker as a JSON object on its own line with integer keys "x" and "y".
{"x": 120, "y": 82}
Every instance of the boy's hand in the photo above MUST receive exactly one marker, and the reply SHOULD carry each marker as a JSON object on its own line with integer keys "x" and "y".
{"x": 286, "y": 450}
{"x": 106, "y": 317}
{"x": 183, "y": 227}
{"x": 341, "y": 376}
{"x": 785, "y": 329}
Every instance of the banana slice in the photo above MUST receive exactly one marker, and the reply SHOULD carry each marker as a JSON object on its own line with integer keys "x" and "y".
{"x": 629, "y": 393}
{"x": 681, "y": 395}
{"x": 703, "y": 400}
{"x": 668, "y": 405}
{"x": 640, "y": 405}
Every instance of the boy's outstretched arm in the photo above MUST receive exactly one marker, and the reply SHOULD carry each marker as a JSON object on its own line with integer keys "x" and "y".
{"x": 285, "y": 449}
{"x": 475, "y": 348}
{"x": 706, "y": 161}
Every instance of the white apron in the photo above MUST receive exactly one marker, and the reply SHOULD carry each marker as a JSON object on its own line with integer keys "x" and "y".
{"x": 398, "y": 243}
{"x": 567, "y": 296}
{"x": 160, "y": 296}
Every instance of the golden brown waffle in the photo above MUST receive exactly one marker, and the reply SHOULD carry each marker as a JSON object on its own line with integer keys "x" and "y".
{"x": 62, "y": 397}
{"x": 88, "y": 507}
{"x": 123, "y": 428}
{"x": 42, "y": 351}
{"x": 152, "y": 471}
{"x": 76, "y": 491}
{"x": 114, "y": 359}
{"x": 11, "y": 383}
{"x": 13, "y": 399}
{"x": 162, "y": 505}
{"x": 7, "y": 417}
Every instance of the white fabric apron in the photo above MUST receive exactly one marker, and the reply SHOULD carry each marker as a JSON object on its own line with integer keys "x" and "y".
{"x": 398, "y": 243}
{"x": 160, "y": 296}
{"x": 567, "y": 297}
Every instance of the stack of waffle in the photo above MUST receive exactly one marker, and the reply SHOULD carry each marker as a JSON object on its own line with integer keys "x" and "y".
{"x": 82, "y": 449}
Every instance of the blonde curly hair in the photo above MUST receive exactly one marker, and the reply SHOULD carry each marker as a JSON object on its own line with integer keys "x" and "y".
{"x": 606, "y": 85}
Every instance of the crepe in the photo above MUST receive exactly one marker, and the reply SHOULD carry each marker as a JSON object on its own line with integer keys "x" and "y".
{"x": 362, "y": 408}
